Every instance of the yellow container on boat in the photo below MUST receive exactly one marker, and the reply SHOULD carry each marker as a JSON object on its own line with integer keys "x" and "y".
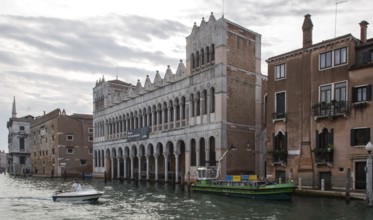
{"x": 236, "y": 178}
{"x": 253, "y": 177}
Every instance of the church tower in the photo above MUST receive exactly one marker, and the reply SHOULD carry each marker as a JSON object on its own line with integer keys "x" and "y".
{"x": 14, "y": 112}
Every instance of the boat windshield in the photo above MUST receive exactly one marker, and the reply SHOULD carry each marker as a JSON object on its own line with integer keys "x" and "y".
{"x": 207, "y": 173}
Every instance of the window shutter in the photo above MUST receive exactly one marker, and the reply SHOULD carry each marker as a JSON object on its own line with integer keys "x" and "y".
{"x": 354, "y": 94}
{"x": 366, "y": 57}
{"x": 317, "y": 140}
{"x": 331, "y": 136}
{"x": 352, "y": 137}
{"x": 369, "y": 92}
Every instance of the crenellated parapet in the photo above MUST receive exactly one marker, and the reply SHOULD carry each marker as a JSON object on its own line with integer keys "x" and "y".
{"x": 112, "y": 92}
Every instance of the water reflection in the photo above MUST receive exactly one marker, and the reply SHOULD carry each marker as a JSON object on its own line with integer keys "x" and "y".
{"x": 30, "y": 198}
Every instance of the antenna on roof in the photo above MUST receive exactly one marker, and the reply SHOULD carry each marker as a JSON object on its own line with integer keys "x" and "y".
{"x": 223, "y": 10}
{"x": 335, "y": 25}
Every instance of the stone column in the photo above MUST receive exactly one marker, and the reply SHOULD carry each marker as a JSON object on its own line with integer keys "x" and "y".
{"x": 163, "y": 118}
{"x": 175, "y": 112}
{"x": 154, "y": 121}
{"x": 208, "y": 106}
{"x": 118, "y": 167}
{"x": 169, "y": 117}
{"x": 197, "y": 156}
{"x": 176, "y": 168}
{"x": 165, "y": 167}
{"x": 147, "y": 167}
{"x": 159, "y": 112}
{"x": 112, "y": 167}
{"x": 139, "y": 165}
{"x": 156, "y": 166}
{"x": 125, "y": 167}
{"x": 132, "y": 174}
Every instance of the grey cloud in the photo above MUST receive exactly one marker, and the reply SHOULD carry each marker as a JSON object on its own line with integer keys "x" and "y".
{"x": 90, "y": 41}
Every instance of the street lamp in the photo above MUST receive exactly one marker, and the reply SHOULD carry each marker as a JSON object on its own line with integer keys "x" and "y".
{"x": 369, "y": 148}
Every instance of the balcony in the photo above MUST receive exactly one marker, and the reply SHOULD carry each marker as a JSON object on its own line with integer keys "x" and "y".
{"x": 332, "y": 109}
{"x": 278, "y": 116}
{"x": 324, "y": 155}
{"x": 279, "y": 156}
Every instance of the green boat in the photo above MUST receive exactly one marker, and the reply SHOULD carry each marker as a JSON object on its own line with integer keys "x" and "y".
{"x": 208, "y": 182}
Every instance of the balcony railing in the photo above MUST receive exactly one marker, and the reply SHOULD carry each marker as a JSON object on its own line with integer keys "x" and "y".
{"x": 334, "y": 108}
{"x": 323, "y": 155}
{"x": 280, "y": 156}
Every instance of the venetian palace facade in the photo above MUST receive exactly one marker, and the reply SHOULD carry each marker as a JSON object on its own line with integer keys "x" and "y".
{"x": 168, "y": 127}
{"x": 319, "y": 110}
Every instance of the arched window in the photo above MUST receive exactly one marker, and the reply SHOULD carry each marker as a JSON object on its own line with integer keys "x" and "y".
{"x": 193, "y": 61}
{"x": 202, "y": 57}
{"x": 212, "y": 52}
{"x": 183, "y": 107}
{"x": 204, "y": 107}
{"x": 212, "y": 152}
{"x": 202, "y": 152}
{"x": 198, "y": 104}
{"x": 212, "y": 100}
{"x": 197, "y": 59}
{"x": 207, "y": 54}
{"x": 193, "y": 155}
{"x": 192, "y": 104}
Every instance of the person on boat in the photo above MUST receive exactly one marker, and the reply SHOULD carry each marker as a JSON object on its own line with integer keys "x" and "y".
{"x": 76, "y": 186}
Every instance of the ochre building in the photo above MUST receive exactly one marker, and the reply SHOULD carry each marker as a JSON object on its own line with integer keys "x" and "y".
{"x": 319, "y": 110}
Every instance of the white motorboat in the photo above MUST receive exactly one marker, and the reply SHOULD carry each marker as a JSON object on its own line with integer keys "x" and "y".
{"x": 78, "y": 193}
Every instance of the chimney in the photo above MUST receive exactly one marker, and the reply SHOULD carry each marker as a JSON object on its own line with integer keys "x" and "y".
{"x": 363, "y": 31}
{"x": 307, "y": 31}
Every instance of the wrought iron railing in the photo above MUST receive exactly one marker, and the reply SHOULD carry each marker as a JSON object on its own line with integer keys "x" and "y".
{"x": 334, "y": 108}
{"x": 279, "y": 155}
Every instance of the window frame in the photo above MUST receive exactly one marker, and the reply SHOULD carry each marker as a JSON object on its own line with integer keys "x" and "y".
{"x": 68, "y": 149}
{"x": 358, "y": 91}
{"x": 328, "y": 59}
{"x": 69, "y": 135}
{"x": 280, "y": 71}
{"x": 353, "y": 136}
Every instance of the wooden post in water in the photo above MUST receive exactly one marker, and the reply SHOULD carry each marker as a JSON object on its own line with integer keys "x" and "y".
{"x": 52, "y": 173}
{"x": 83, "y": 175}
{"x": 348, "y": 186}
{"x": 65, "y": 175}
{"x": 105, "y": 177}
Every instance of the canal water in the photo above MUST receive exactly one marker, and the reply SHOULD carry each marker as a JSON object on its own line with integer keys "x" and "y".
{"x": 30, "y": 198}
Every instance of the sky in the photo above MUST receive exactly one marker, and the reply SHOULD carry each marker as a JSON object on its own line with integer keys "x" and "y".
{"x": 53, "y": 51}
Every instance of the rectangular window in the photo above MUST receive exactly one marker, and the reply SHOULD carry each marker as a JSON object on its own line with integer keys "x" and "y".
{"x": 69, "y": 137}
{"x": 362, "y": 93}
{"x": 70, "y": 150}
{"x": 335, "y": 91}
{"x": 90, "y": 151}
{"x": 53, "y": 151}
{"x": 90, "y": 138}
{"x": 21, "y": 144}
{"x": 333, "y": 58}
{"x": 90, "y": 130}
{"x": 83, "y": 162}
{"x": 280, "y": 102}
{"x": 22, "y": 160}
{"x": 280, "y": 71}
{"x": 340, "y": 56}
{"x": 21, "y": 128}
{"x": 360, "y": 136}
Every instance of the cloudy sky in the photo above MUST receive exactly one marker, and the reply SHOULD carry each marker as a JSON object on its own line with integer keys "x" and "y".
{"x": 52, "y": 52}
